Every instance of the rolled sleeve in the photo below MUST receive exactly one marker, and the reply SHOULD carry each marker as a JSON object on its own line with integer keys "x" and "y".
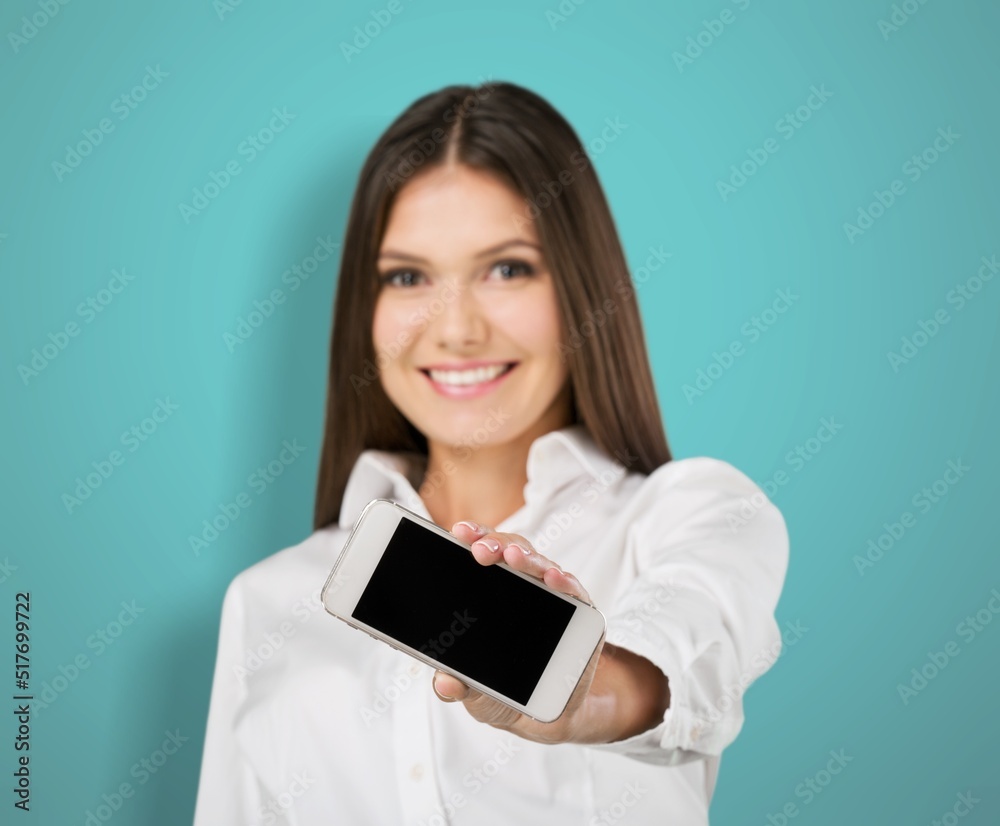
{"x": 712, "y": 553}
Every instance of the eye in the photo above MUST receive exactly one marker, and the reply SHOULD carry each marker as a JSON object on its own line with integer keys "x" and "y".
{"x": 509, "y": 270}
{"x": 399, "y": 278}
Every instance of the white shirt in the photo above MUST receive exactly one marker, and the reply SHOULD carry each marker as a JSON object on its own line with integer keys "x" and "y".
{"x": 312, "y": 722}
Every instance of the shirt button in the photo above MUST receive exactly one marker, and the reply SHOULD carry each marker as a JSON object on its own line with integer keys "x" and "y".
{"x": 414, "y": 669}
{"x": 417, "y": 771}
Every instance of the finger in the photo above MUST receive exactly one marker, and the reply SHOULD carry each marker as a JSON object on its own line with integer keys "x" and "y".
{"x": 469, "y": 531}
{"x": 519, "y": 554}
{"x": 521, "y": 557}
{"x": 448, "y": 688}
{"x": 489, "y": 547}
{"x": 566, "y": 583}
{"x": 482, "y": 708}
{"x": 487, "y": 710}
{"x": 487, "y": 550}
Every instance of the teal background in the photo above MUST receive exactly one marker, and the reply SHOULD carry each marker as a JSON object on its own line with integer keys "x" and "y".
{"x": 826, "y": 357}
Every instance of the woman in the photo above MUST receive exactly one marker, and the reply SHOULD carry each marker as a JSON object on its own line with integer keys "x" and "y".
{"x": 488, "y": 371}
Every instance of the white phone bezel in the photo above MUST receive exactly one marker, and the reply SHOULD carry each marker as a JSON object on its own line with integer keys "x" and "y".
{"x": 357, "y": 562}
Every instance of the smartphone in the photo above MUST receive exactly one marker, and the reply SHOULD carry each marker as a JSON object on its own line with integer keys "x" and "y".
{"x": 409, "y": 583}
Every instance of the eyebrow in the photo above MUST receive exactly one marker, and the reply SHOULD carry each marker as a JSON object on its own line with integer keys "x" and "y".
{"x": 514, "y": 242}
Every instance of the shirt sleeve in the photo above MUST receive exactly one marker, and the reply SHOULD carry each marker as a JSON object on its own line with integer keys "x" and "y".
{"x": 227, "y": 789}
{"x": 712, "y": 554}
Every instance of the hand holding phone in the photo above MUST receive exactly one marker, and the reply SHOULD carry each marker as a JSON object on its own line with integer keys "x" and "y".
{"x": 514, "y": 629}
{"x": 520, "y": 557}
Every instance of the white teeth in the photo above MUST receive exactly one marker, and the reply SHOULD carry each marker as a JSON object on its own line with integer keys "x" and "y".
{"x": 468, "y": 377}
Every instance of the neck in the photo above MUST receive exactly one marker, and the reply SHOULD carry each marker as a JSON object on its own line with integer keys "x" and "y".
{"x": 483, "y": 483}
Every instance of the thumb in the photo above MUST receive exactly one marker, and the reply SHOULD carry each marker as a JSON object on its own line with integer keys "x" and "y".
{"x": 448, "y": 688}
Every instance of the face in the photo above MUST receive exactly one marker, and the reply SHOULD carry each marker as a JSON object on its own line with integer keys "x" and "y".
{"x": 466, "y": 323}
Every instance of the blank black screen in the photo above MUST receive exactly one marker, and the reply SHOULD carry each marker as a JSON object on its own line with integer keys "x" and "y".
{"x": 483, "y": 621}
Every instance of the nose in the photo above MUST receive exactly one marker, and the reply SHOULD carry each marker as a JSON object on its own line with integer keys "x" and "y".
{"x": 457, "y": 318}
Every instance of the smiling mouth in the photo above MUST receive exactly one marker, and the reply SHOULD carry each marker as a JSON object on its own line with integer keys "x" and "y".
{"x": 469, "y": 378}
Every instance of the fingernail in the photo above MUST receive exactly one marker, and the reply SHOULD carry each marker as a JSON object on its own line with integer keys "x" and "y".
{"x": 517, "y": 547}
{"x": 472, "y": 526}
{"x": 489, "y": 544}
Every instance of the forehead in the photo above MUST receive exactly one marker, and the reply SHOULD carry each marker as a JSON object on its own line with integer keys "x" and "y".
{"x": 469, "y": 208}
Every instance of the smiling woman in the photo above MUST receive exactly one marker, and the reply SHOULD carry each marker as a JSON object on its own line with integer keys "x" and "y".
{"x": 513, "y": 405}
{"x": 494, "y": 343}
{"x": 500, "y": 233}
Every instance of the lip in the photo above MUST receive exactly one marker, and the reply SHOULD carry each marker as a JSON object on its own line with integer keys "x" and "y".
{"x": 453, "y": 392}
{"x": 466, "y": 365}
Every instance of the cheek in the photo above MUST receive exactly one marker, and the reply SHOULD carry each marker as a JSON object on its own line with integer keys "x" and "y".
{"x": 389, "y": 324}
{"x": 393, "y": 338}
{"x": 533, "y": 322}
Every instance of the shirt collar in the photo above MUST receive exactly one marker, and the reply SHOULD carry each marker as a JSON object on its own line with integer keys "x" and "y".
{"x": 555, "y": 459}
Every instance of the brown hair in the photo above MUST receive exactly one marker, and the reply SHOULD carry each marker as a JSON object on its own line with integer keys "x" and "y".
{"x": 517, "y": 136}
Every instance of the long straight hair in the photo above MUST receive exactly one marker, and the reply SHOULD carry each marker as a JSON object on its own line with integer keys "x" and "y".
{"x": 511, "y": 132}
